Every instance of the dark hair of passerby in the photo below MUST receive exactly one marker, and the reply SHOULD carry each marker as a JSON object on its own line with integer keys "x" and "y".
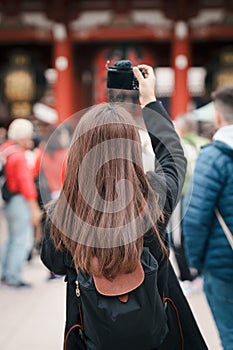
{"x": 223, "y": 100}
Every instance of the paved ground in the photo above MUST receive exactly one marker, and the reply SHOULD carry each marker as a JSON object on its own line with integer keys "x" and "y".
{"x": 34, "y": 319}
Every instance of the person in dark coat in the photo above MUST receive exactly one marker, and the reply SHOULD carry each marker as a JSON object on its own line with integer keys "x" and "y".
{"x": 208, "y": 249}
{"x": 68, "y": 242}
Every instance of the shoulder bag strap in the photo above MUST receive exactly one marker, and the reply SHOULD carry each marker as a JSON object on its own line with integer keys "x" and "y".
{"x": 7, "y": 151}
{"x": 176, "y": 312}
{"x": 224, "y": 227}
{"x": 78, "y": 326}
{"x": 4, "y": 154}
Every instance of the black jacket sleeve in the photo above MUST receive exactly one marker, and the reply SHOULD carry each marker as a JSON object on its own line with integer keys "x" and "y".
{"x": 54, "y": 259}
{"x": 170, "y": 164}
{"x": 167, "y": 179}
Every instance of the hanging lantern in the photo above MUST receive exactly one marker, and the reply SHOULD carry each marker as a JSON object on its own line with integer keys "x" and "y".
{"x": 20, "y": 85}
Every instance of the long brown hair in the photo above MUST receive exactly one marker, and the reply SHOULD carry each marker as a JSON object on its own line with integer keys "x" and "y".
{"x": 106, "y": 203}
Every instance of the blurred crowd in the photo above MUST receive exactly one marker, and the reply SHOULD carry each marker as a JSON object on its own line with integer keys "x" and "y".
{"x": 32, "y": 157}
{"x": 33, "y": 163}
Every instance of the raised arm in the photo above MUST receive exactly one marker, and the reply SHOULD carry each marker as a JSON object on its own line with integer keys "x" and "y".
{"x": 170, "y": 163}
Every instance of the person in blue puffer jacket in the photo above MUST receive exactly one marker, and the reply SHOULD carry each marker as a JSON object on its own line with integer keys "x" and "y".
{"x": 207, "y": 247}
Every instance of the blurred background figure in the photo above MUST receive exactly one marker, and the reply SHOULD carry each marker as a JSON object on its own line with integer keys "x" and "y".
{"x": 207, "y": 247}
{"x": 49, "y": 170}
{"x": 21, "y": 207}
{"x": 50, "y": 153}
{"x": 148, "y": 156}
{"x": 50, "y": 163}
{"x": 3, "y": 133}
{"x": 46, "y": 118}
{"x": 187, "y": 128}
{"x": 205, "y": 120}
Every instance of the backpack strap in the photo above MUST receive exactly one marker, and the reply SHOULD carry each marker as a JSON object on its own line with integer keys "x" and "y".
{"x": 176, "y": 312}
{"x": 7, "y": 151}
{"x": 78, "y": 326}
{"x": 225, "y": 228}
{"x": 75, "y": 326}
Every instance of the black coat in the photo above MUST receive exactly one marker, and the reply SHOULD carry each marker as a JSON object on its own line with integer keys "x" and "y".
{"x": 167, "y": 180}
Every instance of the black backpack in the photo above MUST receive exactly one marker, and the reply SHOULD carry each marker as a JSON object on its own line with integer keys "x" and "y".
{"x": 107, "y": 323}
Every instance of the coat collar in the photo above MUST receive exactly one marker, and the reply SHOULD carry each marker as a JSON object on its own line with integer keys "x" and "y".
{"x": 225, "y": 134}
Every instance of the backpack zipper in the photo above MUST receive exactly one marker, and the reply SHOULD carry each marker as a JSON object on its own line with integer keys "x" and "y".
{"x": 77, "y": 290}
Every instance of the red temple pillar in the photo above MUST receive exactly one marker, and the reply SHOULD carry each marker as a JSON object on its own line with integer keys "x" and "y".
{"x": 180, "y": 64}
{"x": 63, "y": 62}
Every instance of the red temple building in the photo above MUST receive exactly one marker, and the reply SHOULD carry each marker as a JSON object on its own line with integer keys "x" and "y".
{"x": 55, "y": 51}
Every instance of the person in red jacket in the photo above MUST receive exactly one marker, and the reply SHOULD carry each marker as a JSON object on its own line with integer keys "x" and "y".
{"x": 21, "y": 207}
